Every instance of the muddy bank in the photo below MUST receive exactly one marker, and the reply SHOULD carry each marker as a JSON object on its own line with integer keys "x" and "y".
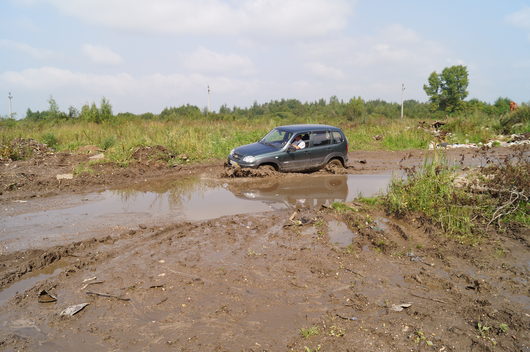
{"x": 281, "y": 281}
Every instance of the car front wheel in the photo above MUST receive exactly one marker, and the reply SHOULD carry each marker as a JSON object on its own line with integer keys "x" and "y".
{"x": 267, "y": 168}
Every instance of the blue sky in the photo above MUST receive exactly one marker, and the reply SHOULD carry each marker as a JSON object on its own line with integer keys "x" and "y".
{"x": 147, "y": 55}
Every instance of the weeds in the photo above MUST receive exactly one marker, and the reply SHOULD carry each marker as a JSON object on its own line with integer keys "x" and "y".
{"x": 517, "y": 121}
{"x": 335, "y": 331}
{"x": 421, "y": 338}
{"x": 83, "y": 168}
{"x": 308, "y": 332}
{"x": 341, "y": 207}
{"x": 50, "y": 140}
{"x": 484, "y": 331}
{"x": 475, "y": 128}
{"x": 432, "y": 192}
{"x": 465, "y": 211}
{"x": 108, "y": 142}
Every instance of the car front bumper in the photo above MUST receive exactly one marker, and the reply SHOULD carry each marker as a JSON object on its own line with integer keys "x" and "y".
{"x": 240, "y": 163}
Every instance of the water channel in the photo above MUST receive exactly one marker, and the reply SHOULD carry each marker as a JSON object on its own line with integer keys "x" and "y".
{"x": 62, "y": 219}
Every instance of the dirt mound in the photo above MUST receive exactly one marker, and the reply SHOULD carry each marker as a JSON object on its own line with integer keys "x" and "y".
{"x": 152, "y": 153}
{"x": 230, "y": 172}
{"x": 22, "y": 148}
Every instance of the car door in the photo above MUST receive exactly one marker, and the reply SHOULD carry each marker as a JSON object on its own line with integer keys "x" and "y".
{"x": 293, "y": 160}
{"x": 321, "y": 146}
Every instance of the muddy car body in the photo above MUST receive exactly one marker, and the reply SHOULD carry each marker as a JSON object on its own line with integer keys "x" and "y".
{"x": 323, "y": 145}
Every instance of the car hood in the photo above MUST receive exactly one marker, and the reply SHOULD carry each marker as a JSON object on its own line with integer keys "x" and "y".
{"x": 254, "y": 149}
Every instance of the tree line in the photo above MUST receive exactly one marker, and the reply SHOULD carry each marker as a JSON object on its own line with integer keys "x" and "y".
{"x": 446, "y": 91}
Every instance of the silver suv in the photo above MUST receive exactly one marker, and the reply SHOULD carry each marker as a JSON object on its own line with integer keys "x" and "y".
{"x": 322, "y": 145}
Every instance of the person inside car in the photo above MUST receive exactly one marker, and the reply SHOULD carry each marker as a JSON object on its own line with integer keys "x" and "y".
{"x": 298, "y": 143}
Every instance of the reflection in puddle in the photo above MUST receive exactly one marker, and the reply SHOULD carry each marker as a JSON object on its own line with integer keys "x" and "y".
{"x": 340, "y": 234}
{"x": 52, "y": 221}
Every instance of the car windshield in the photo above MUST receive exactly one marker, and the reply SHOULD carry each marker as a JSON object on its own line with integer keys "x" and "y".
{"x": 276, "y": 138}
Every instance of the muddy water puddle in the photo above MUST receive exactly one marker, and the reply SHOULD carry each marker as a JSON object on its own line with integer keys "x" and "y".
{"x": 31, "y": 279}
{"x": 58, "y": 220}
{"x": 340, "y": 234}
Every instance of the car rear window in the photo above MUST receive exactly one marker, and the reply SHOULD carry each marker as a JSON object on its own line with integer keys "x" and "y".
{"x": 337, "y": 137}
{"x": 321, "y": 138}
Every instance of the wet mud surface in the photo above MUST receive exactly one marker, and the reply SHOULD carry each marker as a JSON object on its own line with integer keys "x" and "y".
{"x": 294, "y": 275}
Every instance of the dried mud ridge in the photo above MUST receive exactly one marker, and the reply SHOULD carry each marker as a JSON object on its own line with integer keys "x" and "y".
{"x": 263, "y": 282}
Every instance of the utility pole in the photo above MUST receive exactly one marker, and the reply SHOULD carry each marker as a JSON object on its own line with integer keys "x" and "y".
{"x": 208, "y": 108}
{"x": 402, "y": 90}
{"x": 10, "y": 97}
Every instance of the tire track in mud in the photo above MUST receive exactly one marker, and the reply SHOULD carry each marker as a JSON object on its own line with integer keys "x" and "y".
{"x": 253, "y": 282}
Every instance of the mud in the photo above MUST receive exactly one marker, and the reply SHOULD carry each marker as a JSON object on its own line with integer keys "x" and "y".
{"x": 37, "y": 177}
{"x": 302, "y": 277}
{"x": 67, "y": 218}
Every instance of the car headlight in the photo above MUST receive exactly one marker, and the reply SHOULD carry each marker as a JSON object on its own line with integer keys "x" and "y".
{"x": 249, "y": 159}
{"x": 232, "y": 152}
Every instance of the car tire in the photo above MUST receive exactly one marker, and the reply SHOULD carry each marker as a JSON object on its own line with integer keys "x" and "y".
{"x": 267, "y": 168}
{"x": 334, "y": 165}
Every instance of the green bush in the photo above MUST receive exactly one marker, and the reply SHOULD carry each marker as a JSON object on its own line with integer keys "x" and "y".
{"x": 517, "y": 121}
{"x": 50, "y": 140}
{"x": 107, "y": 142}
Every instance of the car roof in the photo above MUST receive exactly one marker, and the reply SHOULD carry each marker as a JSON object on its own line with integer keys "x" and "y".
{"x": 307, "y": 128}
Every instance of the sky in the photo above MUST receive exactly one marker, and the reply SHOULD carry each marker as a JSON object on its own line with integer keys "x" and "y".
{"x": 144, "y": 56}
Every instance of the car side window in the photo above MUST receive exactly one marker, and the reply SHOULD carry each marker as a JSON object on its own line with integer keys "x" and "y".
{"x": 337, "y": 137}
{"x": 321, "y": 138}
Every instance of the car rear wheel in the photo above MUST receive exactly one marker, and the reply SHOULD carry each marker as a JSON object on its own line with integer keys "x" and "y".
{"x": 334, "y": 166}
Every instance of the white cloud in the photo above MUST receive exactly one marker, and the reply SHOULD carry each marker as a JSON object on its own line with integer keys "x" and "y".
{"x": 207, "y": 61}
{"x": 26, "y": 49}
{"x": 324, "y": 71}
{"x": 374, "y": 66}
{"x": 292, "y": 18}
{"x": 101, "y": 55}
{"x": 126, "y": 92}
{"x": 520, "y": 18}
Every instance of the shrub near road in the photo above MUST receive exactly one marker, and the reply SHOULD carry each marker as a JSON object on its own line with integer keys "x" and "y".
{"x": 493, "y": 196}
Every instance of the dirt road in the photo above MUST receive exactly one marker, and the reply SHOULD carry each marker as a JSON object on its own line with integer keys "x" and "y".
{"x": 297, "y": 279}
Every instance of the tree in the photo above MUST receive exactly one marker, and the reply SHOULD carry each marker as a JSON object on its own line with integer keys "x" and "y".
{"x": 448, "y": 89}
{"x": 354, "y": 109}
{"x": 105, "y": 110}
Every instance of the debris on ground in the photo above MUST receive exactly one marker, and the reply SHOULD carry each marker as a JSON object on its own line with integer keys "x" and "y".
{"x": 72, "y": 310}
{"x": 46, "y": 297}
{"x": 99, "y": 156}
{"x": 107, "y": 295}
{"x": 64, "y": 177}
{"x": 400, "y": 307}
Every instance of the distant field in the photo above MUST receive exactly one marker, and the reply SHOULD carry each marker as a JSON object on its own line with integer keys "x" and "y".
{"x": 204, "y": 138}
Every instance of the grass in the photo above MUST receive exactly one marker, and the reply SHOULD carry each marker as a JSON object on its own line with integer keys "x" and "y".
{"x": 202, "y": 138}
{"x": 431, "y": 191}
{"x": 308, "y": 332}
{"x": 476, "y": 128}
{"x": 466, "y": 212}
